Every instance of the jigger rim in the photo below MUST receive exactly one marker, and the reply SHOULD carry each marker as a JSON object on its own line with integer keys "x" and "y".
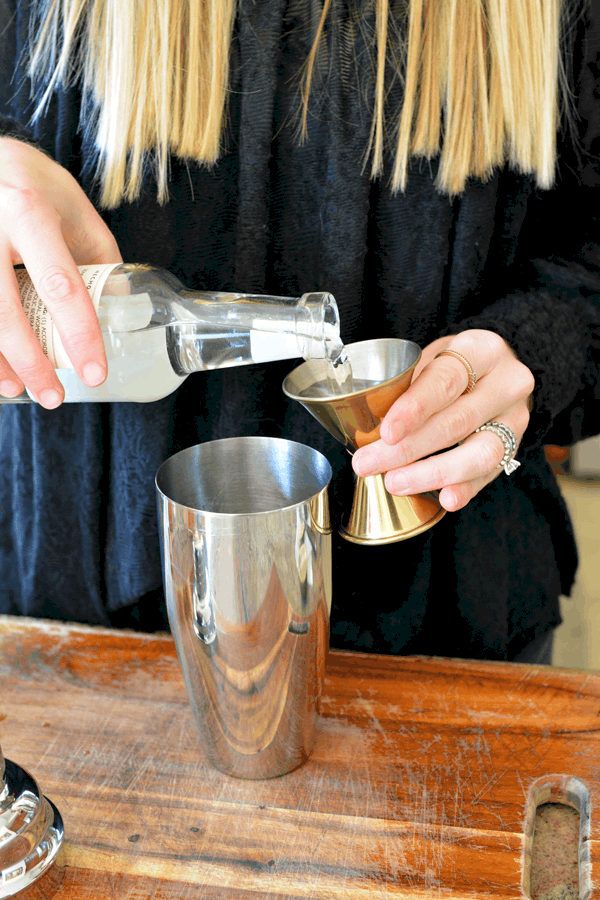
{"x": 328, "y": 397}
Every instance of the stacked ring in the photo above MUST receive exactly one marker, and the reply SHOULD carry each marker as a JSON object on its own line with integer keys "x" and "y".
{"x": 466, "y": 364}
{"x": 508, "y": 438}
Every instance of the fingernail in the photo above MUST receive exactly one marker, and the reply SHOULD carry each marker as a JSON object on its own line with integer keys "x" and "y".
{"x": 396, "y": 484}
{"x": 365, "y": 464}
{"x": 50, "y": 399}
{"x": 10, "y": 388}
{"x": 449, "y": 500}
{"x": 94, "y": 374}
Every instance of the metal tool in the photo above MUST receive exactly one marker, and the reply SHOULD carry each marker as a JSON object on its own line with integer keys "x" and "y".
{"x": 31, "y": 833}
{"x": 246, "y": 553}
{"x": 382, "y": 371}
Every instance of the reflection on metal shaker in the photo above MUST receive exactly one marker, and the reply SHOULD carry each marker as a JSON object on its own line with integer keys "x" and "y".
{"x": 246, "y": 552}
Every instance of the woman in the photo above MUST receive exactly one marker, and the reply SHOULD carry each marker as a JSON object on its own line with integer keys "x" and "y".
{"x": 446, "y": 230}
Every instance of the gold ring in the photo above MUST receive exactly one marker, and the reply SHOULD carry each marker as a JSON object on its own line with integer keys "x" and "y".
{"x": 467, "y": 364}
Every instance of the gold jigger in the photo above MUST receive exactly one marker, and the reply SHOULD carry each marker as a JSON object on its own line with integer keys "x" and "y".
{"x": 381, "y": 371}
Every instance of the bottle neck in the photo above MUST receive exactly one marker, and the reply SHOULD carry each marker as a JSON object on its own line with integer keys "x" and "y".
{"x": 220, "y": 329}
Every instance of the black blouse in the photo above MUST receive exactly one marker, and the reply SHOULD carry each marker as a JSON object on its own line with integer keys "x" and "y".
{"x": 78, "y": 527}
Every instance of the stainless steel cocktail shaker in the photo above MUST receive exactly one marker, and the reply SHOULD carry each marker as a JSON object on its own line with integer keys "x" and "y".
{"x": 246, "y": 552}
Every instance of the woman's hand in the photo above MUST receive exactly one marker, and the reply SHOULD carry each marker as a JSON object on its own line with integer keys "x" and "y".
{"x": 435, "y": 414}
{"x": 48, "y": 224}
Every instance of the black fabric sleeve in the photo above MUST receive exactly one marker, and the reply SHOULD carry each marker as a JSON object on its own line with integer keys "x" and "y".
{"x": 552, "y": 318}
{"x": 8, "y": 20}
{"x": 9, "y": 127}
{"x": 12, "y": 81}
{"x": 16, "y": 98}
{"x": 556, "y": 333}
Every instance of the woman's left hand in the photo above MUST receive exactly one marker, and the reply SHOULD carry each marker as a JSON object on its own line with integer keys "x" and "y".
{"x": 435, "y": 414}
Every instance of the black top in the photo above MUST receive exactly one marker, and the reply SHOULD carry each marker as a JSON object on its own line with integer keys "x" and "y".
{"x": 78, "y": 528}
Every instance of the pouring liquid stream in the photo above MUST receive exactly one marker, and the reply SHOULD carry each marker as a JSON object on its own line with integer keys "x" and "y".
{"x": 338, "y": 380}
{"x": 339, "y": 375}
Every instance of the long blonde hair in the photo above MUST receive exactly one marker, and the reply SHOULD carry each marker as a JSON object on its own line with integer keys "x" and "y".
{"x": 482, "y": 83}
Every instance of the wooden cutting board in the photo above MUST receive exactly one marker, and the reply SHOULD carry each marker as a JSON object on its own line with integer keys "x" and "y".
{"x": 423, "y": 781}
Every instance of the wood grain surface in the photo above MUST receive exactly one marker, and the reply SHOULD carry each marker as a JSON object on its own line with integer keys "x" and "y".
{"x": 423, "y": 781}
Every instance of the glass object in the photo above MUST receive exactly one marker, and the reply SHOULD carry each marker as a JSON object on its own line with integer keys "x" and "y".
{"x": 157, "y": 332}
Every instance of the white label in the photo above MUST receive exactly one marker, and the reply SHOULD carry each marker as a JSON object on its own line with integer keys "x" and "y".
{"x": 36, "y": 311}
{"x": 268, "y": 346}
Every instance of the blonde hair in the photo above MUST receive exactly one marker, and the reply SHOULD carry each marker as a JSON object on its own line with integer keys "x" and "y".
{"x": 482, "y": 83}
{"x": 155, "y": 73}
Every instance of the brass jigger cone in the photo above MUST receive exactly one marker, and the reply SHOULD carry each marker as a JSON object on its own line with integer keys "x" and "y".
{"x": 381, "y": 370}
{"x": 31, "y": 835}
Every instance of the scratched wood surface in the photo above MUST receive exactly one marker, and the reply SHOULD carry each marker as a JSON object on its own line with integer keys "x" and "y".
{"x": 423, "y": 781}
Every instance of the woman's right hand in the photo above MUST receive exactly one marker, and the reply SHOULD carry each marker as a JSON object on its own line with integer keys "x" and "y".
{"x": 48, "y": 224}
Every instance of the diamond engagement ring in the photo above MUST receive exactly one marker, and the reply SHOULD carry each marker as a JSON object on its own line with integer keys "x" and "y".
{"x": 510, "y": 444}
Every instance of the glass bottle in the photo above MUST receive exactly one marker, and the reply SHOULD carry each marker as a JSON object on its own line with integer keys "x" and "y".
{"x": 157, "y": 332}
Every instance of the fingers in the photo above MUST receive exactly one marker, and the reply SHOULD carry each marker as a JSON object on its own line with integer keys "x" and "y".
{"x": 48, "y": 225}
{"x": 441, "y": 430}
{"x": 428, "y": 440}
{"x": 456, "y": 496}
{"x": 10, "y": 384}
{"x": 56, "y": 278}
{"x": 440, "y": 381}
{"x": 23, "y": 361}
{"x": 478, "y": 456}
{"x": 459, "y": 473}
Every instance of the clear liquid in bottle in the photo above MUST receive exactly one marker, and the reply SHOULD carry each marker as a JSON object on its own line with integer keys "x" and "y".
{"x": 157, "y": 332}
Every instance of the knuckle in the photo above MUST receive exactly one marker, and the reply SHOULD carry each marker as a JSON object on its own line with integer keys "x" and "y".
{"x": 457, "y": 423}
{"x": 76, "y": 342}
{"x": 524, "y": 379}
{"x": 29, "y": 369}
{"x": 448, "y": 384}
{"x": 496, "y": 345}
{"x": 21, "y": 203}
{"x": 57, "y": 285}
{"x": 416, "y": 410}
{"x": 436, "y": 474}
{"x": 403, "y": 454}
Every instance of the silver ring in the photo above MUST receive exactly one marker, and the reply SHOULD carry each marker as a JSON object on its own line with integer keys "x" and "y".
{"x": 508, "y": 438}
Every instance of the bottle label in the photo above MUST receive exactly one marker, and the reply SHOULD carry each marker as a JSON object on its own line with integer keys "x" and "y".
{"x": 94, "y": 278}
{"x": 267, "y": 346}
